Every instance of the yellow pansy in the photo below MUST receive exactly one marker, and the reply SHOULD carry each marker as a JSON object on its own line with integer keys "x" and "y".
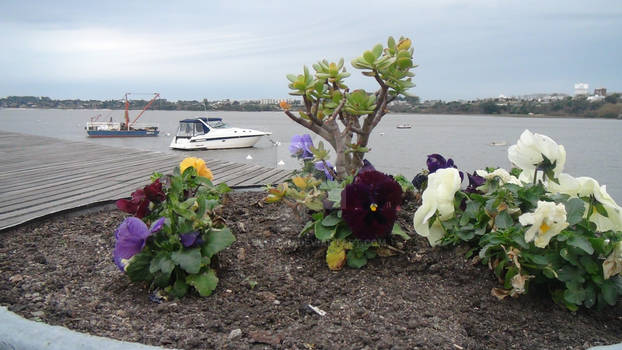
{"x": 198, "y": 164}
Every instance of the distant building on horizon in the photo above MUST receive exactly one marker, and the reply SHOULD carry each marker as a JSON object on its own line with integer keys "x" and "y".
{"x": 600, "y": 92}
{"x": 581, "y": 89}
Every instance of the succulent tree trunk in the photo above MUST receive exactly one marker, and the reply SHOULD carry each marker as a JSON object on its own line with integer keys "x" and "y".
{"x": 346, "y": 119}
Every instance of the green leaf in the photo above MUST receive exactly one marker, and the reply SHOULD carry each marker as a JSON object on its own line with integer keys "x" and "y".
{"x": 574, "y": 296}
{"x": 162, "y": 262}
{"x": 590, "y": 296}
{"x": 331, "y": 220}
{"x": 355, "y": 261}
{"x": 369, "y": 57}
{"x": 397, "y": 231}
{"x": 189, "y": 260}
{"x": 307, "y": 228}
{"x": 581, "y": 243}
{"x": 179, "y": 289}
{"x": 570, "y": 274}
{"x": 609, "y": 292}
{"x": 589, "y": 265}
{"x": 138, "y": 268}
{"x": 503, "y": 220}
{"x": 217, "y": 240}
{"x": 204, "y": 283}
{"x": 377, "y": 51}
{"x": 323, "y": 233}
{"x": 574, "y": 210}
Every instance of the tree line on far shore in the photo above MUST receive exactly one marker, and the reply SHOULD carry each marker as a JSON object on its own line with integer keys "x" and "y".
{"x": 579, "y": 106}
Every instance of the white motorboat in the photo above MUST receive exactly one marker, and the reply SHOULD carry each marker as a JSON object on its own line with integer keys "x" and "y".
{"x": 213, "y": 133}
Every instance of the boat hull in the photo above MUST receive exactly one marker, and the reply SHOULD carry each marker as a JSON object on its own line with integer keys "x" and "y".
{"x": 215, "y": 143}
{"x": 122, "y": 133}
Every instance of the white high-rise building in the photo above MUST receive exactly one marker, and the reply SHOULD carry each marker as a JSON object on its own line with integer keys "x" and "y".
{"x": 581, "y": 89}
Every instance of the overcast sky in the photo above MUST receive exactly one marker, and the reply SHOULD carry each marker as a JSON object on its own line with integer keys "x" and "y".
{"x": 244, "y": 49}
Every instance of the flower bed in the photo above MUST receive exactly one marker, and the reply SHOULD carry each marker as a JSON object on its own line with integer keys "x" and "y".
{"x": 426, "y": 298}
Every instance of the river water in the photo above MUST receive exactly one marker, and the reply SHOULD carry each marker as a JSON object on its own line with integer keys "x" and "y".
{"x": 593, "y": 147}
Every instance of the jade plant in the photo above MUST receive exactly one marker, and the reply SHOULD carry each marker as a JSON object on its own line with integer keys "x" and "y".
{"x": 172, "y": 240}
{"x": 344, "y": 118}
{"x": 534, "y": 226}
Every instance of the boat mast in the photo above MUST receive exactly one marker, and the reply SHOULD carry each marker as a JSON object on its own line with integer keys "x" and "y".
{"x": 127, "y": 113}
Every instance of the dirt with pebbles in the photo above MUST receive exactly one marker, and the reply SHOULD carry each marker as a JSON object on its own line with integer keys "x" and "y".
{"x": 60, "y": 271}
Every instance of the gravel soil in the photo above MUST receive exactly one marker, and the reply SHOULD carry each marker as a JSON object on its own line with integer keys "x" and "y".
{"x": 60, "y": 271}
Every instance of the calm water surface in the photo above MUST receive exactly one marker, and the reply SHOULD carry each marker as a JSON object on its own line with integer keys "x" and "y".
{"x": 593, "y": 146}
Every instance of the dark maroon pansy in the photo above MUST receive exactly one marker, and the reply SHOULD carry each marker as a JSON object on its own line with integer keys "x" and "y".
{"x": 436, "y": 161}
{"x": 137, "y": 206}
{"x": 154, "y": 191}
{"x": 369, "y": 205}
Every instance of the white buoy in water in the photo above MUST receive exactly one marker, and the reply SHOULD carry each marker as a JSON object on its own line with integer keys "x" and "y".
{"x": 249, "y": 157}
{"x": 281, "y": 163}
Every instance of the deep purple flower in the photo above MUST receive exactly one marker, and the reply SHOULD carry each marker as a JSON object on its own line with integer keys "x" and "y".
{"x": 369, "y": 205}
{"x": 367, "y": 166}
{"x": 436, "y": 161}
{"x": 154, "y": 191}
{"x": 321, "y": 167}
{"x": 137, "y": 206}
{"x": 191, "y": 239}
{"x": 131, "y": 238}
{"x": 474, "y": 182}
{"x": 300, "y": 146}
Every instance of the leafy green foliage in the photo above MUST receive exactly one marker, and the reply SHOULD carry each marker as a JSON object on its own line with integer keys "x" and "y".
{"x": 180, "y": 255}
{"x": 571, "y": 265}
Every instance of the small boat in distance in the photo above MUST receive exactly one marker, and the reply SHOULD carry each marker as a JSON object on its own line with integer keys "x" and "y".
{"x": 213, "y": 133}
{"x": 404, "y": 126}
{"x": 95, "y": 128}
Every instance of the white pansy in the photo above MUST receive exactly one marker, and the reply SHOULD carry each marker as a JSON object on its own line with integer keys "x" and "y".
{"x": 501, "y": 174}
{"x": 437, "y": 197}
{"x": 586, "y": 187}
{"x": 613, "y": 220}
{"x": 547, "y": 221}
{"x": 529, "y": 150}
{"x": 613, "y": 264}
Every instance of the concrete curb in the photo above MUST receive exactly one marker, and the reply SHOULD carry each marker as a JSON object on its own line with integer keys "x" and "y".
{"x": 18, "y": 333}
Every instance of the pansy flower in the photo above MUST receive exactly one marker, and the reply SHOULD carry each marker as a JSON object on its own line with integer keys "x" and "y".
{"x": 547, "y": 221}
{"x": 198, "y": 164}
{"x": 436, "y": 161}
{"x": 324, "y": 167}
{"x": 369, "y": 205}
{"x": 154, "y": 191}
{"x": 300, "y": 146}
{"x": 475, "y": 181}
{"x": 131, "y": 238}
{"x": 137, "y": 206}
{"x": 191, "y": 239}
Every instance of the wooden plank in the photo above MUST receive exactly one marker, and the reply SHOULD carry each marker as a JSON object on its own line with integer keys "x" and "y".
{"x": 41, "y": 175}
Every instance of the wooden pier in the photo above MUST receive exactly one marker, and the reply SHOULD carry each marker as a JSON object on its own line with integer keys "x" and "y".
{"x": 40, "y": 175}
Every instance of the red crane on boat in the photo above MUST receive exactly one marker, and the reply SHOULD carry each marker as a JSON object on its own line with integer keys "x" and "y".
{"x": 127, "y": 107}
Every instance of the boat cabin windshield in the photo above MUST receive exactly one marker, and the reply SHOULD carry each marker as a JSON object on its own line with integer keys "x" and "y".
{"x": 189, "y": 129}
{"x": 217, "y": 124}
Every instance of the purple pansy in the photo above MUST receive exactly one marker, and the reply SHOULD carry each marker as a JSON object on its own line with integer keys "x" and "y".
{"x": 369, "y": 205}
{"x": 191, "y": 239}
{"x": 131, "y": 238}
{"x": 322, "y": 166}
{"x": 474, "y": 182}
{"x": 436, "y": 161}
{"x": 300, "y": 146}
